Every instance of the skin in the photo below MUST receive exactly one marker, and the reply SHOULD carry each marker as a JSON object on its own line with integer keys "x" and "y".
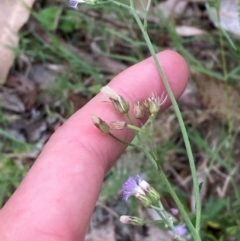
{"x": 56, "y": 199}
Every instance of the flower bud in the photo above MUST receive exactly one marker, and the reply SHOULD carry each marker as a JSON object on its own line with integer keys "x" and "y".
{"x": 132, "y": 220}
{"x": 178, "y": 238}
{"x": 150, "y": 192}
{"x": 155, "y": 102}
{"x": 118, "y": 125}
{"x": 101, "y": 124}
{"x": 140, "y": 109}
{"x": 144, "y": 200}
{"x": 120, "y": 104}
{"x": 174, "y": 211}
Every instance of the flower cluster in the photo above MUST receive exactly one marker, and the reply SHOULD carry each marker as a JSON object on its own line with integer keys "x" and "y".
{"x": 136, "y": 186}
{"x": 151, "y": 106}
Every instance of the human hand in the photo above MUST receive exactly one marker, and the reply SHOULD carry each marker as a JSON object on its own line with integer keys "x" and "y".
{"x": 56, "y": 199}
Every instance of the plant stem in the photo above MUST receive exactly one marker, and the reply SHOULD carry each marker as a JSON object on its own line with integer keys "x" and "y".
{"x": 181, "y": 123}
{"x": 225, "y": 72}
{"x": 135, "y": 128}
{"x": 122, "y": 141}
{"x": 167, "y": 218}
{"x": 194, "y": 231}
{"x": 146, "y": 14}
{"x": 180, "y": 206}
{"x": 149, "y": 156}
{"x": 175, "y": 197}
{"x": 136, "y": 131}
{"x": 131, "y": 4}
{"x": 121, "y": 4}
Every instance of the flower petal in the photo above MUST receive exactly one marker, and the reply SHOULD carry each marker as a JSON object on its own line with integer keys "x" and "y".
{"x": 131, "y": 187}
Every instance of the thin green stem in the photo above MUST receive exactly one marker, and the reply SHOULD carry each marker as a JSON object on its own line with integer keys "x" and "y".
{"x": 225, "y": 74}
{"x": 148, "y": 121}
{"x": 131, "y": 4}
{"x": 174, "y": 196}
{"x": 223, "y": 58}
{"x": 146, "y": 14}
{"x": 122, "y": 141}
{"x": 153, "y": 146}
{"x": 136, "y": 131}
{"x": 194, "y": 231}
{"x": 180, "y": 120}
{"x": 135, "y": 128}
{"x": 121, "y": 4}
{"x": 139, "y": 138}
{"x": 167, "y": 218}
{"x": 160, "y": 214}
{"x": 143, "y": 5}
{"x": 164, "y": 216}
{"x": 129, "y": 118}
{"x": 149, "y": 156}
{"x": 180, "y": 206}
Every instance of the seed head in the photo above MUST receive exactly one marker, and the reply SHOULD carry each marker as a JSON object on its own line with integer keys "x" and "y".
{"x": 118, "y": 125}
{"x": 155, "y": 102}
{"x": 120, "y": 104}
{"x": 150, "y": 191}
{"x": 140, "y": 109}
{"x": 101, "y": 124}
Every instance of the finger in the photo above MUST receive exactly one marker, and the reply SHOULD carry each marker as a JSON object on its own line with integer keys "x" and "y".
{"x": 57, "y": 197}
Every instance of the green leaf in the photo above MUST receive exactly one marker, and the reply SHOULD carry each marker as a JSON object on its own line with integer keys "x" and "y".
{"x": 70, "y": 21}
{"x": 48, "y": 17}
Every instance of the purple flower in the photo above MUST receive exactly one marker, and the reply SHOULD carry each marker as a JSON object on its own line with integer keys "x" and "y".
{"x": 131, "y": 187}
{"x": 174, "y": 211}
{"x": 74, "y": 3}
{"x": 181, "y": 230}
